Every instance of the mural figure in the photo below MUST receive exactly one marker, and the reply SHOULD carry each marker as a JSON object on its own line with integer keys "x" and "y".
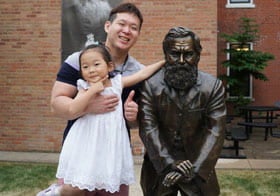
{"x": 83, "y": 17}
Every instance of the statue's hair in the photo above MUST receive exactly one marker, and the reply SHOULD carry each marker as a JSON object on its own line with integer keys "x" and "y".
{"x": 181, "y": 32}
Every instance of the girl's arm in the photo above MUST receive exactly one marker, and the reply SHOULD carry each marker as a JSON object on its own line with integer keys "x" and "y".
{"x": 80, "y": 102}
{"x": 142, "y": 74}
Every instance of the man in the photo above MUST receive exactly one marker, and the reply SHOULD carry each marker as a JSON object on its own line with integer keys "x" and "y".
{"x": 122, "y": 28}
{"x": 182, "y": 122}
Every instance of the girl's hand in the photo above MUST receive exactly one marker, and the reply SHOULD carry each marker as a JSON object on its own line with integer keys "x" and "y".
{"x": 100, "y": 104}
{"x": 98, "y": 87}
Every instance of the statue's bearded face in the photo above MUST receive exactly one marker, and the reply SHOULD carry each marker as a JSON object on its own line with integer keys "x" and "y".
{"x": 181, "y": 64}
{"x": 180, "y": 77}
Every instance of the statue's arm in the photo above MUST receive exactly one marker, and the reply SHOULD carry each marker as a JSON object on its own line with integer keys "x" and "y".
{"x": 149, "y": 131}
{"x": 211, "y": 149}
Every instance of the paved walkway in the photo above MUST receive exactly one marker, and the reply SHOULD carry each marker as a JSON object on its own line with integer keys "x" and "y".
{"x": 38, "y": 157}
{"x": 135, "y": 189}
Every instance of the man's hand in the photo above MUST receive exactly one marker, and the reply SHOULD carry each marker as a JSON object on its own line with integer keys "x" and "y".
{"x": 102, "y": 103}
{"x": 130, "y": 108}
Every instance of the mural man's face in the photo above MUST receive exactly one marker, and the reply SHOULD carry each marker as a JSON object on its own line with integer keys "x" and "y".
{"x": 181, "y": 63}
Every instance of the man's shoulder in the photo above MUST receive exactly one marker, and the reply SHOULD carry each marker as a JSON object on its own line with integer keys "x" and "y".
{"x": 73, "y": 60}
{"x": 69, "y": 70}
{"x": 132, "y": 62}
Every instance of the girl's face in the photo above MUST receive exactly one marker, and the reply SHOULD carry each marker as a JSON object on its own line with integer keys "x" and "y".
{"x": 94, "y": 67}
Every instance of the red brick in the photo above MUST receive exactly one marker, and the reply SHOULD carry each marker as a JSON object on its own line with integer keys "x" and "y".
{"x": 267, "y": 15}
{"x": 30, "y": 37}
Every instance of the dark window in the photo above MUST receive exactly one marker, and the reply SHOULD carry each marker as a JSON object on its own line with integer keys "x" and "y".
{"x": 244, "y": 86}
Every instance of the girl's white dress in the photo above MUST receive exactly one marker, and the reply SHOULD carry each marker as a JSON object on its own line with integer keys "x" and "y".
{"x": 96, "y": 153}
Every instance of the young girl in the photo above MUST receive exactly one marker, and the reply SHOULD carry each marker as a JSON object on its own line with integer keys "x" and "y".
{"x": 96, "y": 154}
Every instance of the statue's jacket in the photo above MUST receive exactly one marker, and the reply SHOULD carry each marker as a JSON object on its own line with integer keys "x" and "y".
{"x": 192, "y": 129}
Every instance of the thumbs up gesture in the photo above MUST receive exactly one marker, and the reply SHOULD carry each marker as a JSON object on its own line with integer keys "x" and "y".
{"x": 130, "y": 108}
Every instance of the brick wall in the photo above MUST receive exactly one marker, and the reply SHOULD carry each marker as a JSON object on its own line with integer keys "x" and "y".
{"x": 30, "y": 33}
{"x": 29, "y": 57}
{"x": 267, "y": 15}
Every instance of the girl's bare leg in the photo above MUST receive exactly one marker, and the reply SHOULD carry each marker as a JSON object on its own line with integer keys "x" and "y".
{"x": 68, "y": 190}
{"x": 124, "y": 190}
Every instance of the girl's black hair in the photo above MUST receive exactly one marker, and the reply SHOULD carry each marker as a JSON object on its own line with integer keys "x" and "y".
{"x": 101, "y": 48}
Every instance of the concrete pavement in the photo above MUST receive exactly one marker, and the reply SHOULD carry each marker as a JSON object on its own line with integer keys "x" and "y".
{"x": 135, "y": 190}
{"x": 38, "y": 157}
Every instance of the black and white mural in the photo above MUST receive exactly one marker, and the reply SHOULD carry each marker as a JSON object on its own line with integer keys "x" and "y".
{"x": 80, "y": 18}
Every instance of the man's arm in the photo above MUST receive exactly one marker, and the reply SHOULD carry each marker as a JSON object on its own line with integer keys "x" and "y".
{"x": 64, "y": 90}
{"x": 63, "y": 93}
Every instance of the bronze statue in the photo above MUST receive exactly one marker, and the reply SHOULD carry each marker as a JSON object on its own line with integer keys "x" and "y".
{"x": 182, "y": 122}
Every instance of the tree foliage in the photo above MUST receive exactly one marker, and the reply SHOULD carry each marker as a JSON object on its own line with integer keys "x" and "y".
{"x": 243, "y": 61}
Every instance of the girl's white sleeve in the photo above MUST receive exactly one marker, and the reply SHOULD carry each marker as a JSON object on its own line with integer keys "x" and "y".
{"x": 81, "y": 84}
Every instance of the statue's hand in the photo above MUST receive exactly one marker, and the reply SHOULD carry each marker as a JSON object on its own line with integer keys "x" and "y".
{"x": 171, "y": 178}
{"x": 183, "y": 171}
{"x": 186, "y": 168}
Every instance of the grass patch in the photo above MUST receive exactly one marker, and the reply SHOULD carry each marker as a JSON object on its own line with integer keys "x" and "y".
{"x": 249, "y": 182}
{"x": 25, "y": 178}
{"x": 17, "y": 179}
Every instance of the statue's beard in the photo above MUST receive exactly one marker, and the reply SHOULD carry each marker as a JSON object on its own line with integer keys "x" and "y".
{"x": 180, "y": 76}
